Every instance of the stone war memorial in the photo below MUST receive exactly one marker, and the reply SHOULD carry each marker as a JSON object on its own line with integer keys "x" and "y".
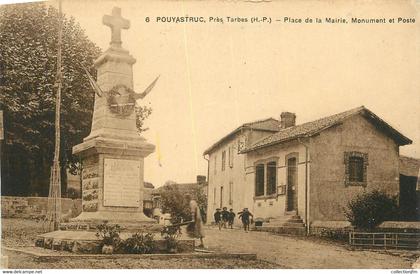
{"x": 112, "y": 155}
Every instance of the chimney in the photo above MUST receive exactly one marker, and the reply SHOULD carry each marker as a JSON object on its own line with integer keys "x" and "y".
{"x": 287, "y": 119}
{"x": 201, "y": 179}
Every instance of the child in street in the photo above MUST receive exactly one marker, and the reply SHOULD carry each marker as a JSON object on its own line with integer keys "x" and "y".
{"x": 218, "y": 218}
{"x": 225, "y": 217}
{"x": 245, "y": 215}
{"x": 231, "y": 218}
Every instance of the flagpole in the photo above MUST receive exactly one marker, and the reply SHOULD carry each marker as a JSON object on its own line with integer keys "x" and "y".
{"x": 54, "y": 197}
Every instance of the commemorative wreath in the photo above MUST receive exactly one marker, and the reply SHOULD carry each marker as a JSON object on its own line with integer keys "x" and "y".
{"x": 121, "y": 104}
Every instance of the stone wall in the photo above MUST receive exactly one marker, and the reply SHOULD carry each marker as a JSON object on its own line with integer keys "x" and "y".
{"x": 329, "y": 194}
{"x": 26, "y": 207}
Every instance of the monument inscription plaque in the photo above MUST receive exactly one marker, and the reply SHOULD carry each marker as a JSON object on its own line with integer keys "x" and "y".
{"x": 121, "y": 182}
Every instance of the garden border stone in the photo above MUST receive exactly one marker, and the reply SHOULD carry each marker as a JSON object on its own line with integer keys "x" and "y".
{"x": 42, "y": 256}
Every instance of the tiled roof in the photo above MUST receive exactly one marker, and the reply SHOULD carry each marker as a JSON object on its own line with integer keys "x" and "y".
{"x": 269, "y": 124}
{"x": 311, "y": 128}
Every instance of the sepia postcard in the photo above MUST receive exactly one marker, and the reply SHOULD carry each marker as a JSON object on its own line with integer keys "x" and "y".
{"x": 246, "y": 134}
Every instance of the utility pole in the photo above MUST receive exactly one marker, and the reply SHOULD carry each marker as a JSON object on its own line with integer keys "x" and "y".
{"x": 54, "y": 196}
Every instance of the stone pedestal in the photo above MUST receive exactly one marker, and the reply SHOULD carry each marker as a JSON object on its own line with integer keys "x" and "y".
{"x": 112, "y": 180}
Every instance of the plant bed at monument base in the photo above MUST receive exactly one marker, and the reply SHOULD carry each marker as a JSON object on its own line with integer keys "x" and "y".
{"x": 95, "y": 246}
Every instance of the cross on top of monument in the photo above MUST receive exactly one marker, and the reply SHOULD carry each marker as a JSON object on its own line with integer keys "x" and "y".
{"x": 116, "y": 23}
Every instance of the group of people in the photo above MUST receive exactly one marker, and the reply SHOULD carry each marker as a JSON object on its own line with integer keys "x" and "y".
{"x": 224, "y": 218}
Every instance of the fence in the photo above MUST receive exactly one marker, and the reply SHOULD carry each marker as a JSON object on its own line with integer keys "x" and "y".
{"x": 385, "y": 240}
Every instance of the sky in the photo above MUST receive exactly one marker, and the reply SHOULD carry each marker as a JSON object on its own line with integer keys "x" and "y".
{"x": 215, "y": 77}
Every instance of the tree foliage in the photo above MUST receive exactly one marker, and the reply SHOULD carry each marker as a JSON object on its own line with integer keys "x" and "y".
{"x": 28, "y": 50}
{"x": 368, "y": 210}
{"x": 142, "y": 112}
{"x": 28, "y": 60}
{"x": 176, "y": 203}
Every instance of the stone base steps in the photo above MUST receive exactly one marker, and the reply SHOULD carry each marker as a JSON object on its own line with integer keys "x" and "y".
{"x": 301, "y": 231}
{"x": 290, "y": 223}
{"x": 293, "y": 220}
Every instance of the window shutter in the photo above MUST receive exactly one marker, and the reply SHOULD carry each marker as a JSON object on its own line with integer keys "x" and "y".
{"x": 230, "y": 156}
{"x": 259, "y": 180}
{"x": 230, "y": 193}
{"x": 271, "y": 178}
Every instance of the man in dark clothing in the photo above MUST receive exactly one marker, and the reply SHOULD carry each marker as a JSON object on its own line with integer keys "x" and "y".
{"x": 244, "y": 216}
{"x": 218, "y": 218}
{"x": 231, "y": 218}
{"x": 225, "y": 217}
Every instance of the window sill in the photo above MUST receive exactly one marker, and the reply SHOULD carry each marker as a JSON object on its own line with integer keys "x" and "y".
{"x": 364, "y": 184}
{"x": 267, "y": 197}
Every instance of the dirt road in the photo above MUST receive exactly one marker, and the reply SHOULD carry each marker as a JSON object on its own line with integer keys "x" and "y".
{"x": 294, "y": 252}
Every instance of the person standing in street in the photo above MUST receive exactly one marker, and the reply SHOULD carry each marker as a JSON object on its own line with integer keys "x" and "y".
{"x": 231, "y": 218}
{"x": 218, "y": 218}
{"x": 225, "y": 217}
{"x": 196, "y": 229}
{"x": 245, "y": 216}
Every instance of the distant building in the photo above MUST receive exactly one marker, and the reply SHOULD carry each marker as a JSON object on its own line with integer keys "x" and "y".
{"x": 147, "y": 198}
{"x": 309, "y": 171}
{"x": 202, "y": 184}
{"x": 409, "y": 199}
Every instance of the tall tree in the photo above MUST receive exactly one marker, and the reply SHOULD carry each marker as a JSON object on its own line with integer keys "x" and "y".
{"x": 28, "y": 50}
{"x": 28, "y": 54}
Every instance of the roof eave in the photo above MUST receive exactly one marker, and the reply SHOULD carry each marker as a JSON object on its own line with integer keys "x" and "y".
{"x": 276, "y": 142}
{"x": 215, "y": 145}
{"x": 398, "y": 137}
{"x": 211, "y": 148}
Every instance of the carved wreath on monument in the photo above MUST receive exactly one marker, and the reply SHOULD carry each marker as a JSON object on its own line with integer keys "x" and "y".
{"x": 121, "y": 100}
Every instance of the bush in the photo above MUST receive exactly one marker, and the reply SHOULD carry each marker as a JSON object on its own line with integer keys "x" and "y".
{"x": 109, "y": 234}
{"x": 368, "y": 210}
{"x": 140, "y": 244}
{"x": 173, "y": 202}
{"x": 170, "y": 234}
{"x": 176, "y": 202}
{"x": 335, "y": 234}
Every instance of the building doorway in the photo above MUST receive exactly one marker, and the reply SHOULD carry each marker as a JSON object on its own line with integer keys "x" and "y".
{"x": 291, "y": 184}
